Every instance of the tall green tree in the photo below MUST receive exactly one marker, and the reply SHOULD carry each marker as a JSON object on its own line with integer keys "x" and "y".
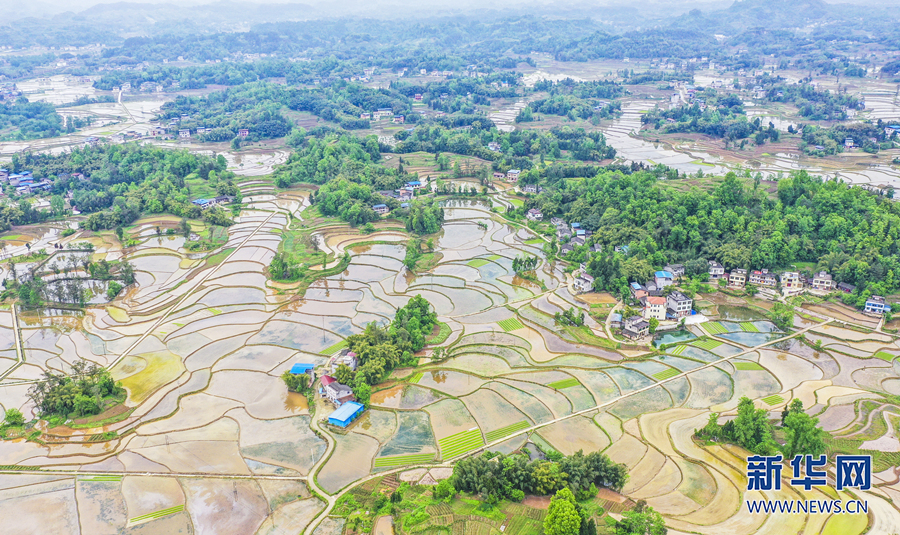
{"x": 562, "y": 516}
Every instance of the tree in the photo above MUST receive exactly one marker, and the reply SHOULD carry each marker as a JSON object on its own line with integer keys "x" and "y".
{"x": 654, "y": 323}
{"x": 296, "y": 382}
{"x": 796, "y": 405}
{"x": 344, "y": 374}
{"x": 802, "y": 435}
{"x": 562, "y": 516}
{"x": 444, "y": 490}
{"x": 642, "y": 520}
{"x": 14, "y": 417}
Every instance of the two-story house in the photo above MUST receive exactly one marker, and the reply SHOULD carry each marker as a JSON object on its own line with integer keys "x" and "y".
{"x": 738, "y": 277}
{"x": 716, "y": 270}
{"x": 655, "y": 308}
{"x": 679, "y": 305}
{"x": 762, "y": 278}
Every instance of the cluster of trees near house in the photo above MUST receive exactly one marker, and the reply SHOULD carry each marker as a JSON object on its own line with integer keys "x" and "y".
{"x": 849, "y": 232}
{"x": 87, "y": 390}
{"x": 812, "y": 103}
{"x": 21, "y": 119}
{"x": 381, "y": 349}
{"x": 254, "y": 106}
{"x": 723, "y": 117}
{"x": 823, "y": 140}
{"x": 496, "y": 476}
{"x": 516, "y": 148}
{"x": 753, "y": 431}
{"x": 35, "y": 291}
{"x": 125, "y": 181}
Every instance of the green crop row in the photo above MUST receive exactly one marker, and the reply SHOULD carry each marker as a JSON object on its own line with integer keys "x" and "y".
{"x": 666, "y": 374}
{"x": 565, "y": 383}
{"x": 748, "y": 327}
{"x": 678, "y": 350}
{"x": 708, "y": 345}
{"x": 334, "y": 349}
{"x": 748, "y": 366}
{"x": 774, "y": 399}
{"x": 400, "y": 460}
{"x": 497, "y": 434}
{"x": 510, "y": 324}
{"x": 460, "y": 443}
{"x": 714, "y": 327}
{"x": 416, "y": 378}
{"x": 159, "y": 514}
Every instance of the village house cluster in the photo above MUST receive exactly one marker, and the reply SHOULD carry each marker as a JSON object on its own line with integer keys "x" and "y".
{"x": 347, "y": 409}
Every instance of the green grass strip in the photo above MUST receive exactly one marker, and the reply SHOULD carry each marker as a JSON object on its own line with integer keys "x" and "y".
{"x": 666, "y": 374}
{"x": 565, "y": 383}
{"x": 774, "y": 399}
{"x": 748, "y": 366}
{"x": 678, "y": 350}
{"x": 331, "y": 350}
{"x": 494, "y": 257}
{"x": 714, "y": 327}
{"x": 416, "y": 378}
{"x": 158, "y": 514}
{"x": 100, "y": 478}
{"x": 460, "y": 443}
{"x": 400, "y": 460}
{"x": 748, "y": 327}
{"x": 477, "y": 262}
{"x": 497, "y": 434}
{"x": 534, "y": 241}
{"x": 708, "y": 345}
{"x": 441, "y": 336}
{"x": 510, "y": 324}
{"x": 884, "y": 355}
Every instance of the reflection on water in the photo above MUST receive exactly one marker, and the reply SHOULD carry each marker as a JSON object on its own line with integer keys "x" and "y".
{"x": 295, "y": 402}
{"x": 438, "y": 376}
{"x": 736, "y": 313}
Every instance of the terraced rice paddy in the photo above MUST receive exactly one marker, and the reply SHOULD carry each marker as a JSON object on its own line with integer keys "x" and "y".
{"x": 202, "y": 340}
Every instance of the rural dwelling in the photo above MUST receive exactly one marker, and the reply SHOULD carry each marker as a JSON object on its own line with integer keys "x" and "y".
{"x": 499, "y": 175}
{"x": 762, "y": 278}
{"x": 822, "y": 281}
{"x": 345, "y": 415}
{"x": 398, "y": 119}
{"x": 655, "y": 308}
{"x": 876, "y": 305}
{"x": 615, "y": 320}
{"x": 663, "y": 279}
{"x": 635, "y": 327}
{"x": 157, "y": 131}
{"x": 531, "y": 188}
{"x": 381, "y": 209}
{"x": 534, "y": 215}
{"x": 584, "y": 283}
{"x": 415, "y": 184}
{"x": 677, "y": 270}
{"x": 184, "y": 134}
{"x": 337, "y": 393}
{"x": 679, "y": 305}
{"x": 350, "y": 359}
{"x": 513, "y": 174}
{"x": 791, "y": 283}
{"x": 846, "y": 288}
{"x": 738, "y": 277}
{"x": 365, "y": 116}
{"x": 302, "y": 367}
{"x": 493, "y": 146}
{"x": 638, "y": 291}
{"x": 716, "y": 270}
{"x": 243, "y": 133}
